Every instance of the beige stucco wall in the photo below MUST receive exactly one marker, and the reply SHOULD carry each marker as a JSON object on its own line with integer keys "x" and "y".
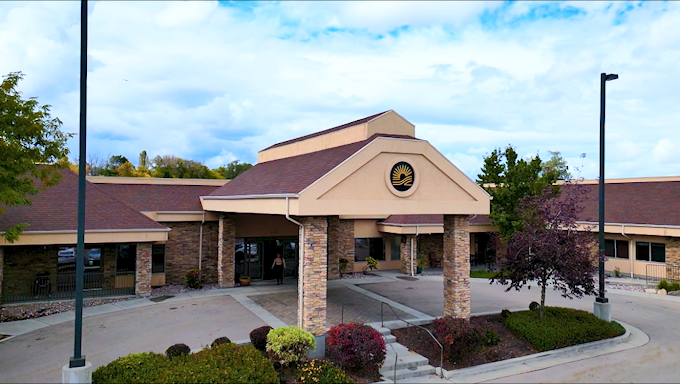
{"x": 91, "y": 237}
{"x": 248, "y": 225}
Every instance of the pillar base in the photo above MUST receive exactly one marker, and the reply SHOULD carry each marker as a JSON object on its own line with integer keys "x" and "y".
{"x": 603, "y": 311}
{"x": 320, "y": 351}
{"x": 76, "y": 375}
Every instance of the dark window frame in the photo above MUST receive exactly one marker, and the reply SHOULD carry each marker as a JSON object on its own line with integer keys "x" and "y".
{"x": 134, "y": 257}
{"x": 155, "y": 252}
{"x": 615, "y": 247}
{"x": 371, "y": 242}
{"x": 649, "y": 253}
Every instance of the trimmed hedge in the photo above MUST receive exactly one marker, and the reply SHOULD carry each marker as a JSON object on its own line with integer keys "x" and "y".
{"x": 321, "y": 372}
{"x": 560, "y": 327}
{"x": 288, "y": 345}
{"x": 258, "y": 337}
{"x": 224, "y": 363}
{"x": 356, "y": 347}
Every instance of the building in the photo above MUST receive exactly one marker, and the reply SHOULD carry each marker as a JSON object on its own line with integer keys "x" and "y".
{"x": 365, "y": 188}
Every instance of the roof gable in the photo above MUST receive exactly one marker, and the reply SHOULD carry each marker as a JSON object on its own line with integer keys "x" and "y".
{"x": 154, "y": 197}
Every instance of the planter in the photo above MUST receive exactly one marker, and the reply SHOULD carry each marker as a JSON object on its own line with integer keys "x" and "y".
{"x": 244, "y": 280}
{"x": 419, "y": 270}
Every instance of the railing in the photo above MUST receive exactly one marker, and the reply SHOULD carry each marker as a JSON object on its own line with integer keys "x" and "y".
{"x": 657, "y": 272}
{"x": 63, "y": 286}
{"x": 408, "y": 325}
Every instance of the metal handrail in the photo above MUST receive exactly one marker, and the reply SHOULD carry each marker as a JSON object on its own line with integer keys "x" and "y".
{"x": 408, "y": 324}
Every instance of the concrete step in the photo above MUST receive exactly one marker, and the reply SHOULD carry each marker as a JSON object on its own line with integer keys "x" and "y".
{"x": 389, "y": 339}
{"x": 404, "y": 359}
{"x": 407, "y": 373}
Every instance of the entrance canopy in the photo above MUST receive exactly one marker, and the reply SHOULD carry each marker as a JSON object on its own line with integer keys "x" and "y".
{"x": 388, "y": 173}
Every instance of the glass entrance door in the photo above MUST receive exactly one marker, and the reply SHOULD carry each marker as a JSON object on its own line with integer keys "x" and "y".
{"x": 253, "y": 259}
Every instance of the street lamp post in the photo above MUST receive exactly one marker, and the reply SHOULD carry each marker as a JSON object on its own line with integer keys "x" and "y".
{"x": 602, "y": 307}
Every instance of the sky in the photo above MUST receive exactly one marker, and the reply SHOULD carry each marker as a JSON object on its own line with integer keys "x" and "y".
{"x": 219, "y": 81}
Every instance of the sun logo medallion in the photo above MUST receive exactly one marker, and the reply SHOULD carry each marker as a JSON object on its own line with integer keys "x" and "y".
{"x": 402, "y": 176}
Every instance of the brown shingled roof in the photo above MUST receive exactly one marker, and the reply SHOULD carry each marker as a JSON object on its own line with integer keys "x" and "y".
{"x": 56, "y": 209}
{"x": 329, "y": 130}
{"x": 651, "y": 203}
{"x": 155, "y": 197}
{"x": 292, "y": 174}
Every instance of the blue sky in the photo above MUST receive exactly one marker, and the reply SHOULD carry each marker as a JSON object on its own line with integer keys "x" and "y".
{"x": 216, "y": 82}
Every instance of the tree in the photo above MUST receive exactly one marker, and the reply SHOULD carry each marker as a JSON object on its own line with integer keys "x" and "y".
{"x": 232, "y": 169}
{"x": 509, "y": 180}
{"x": 32, "y": 149}
{"x": 549, "y": 248}
{"x": 557, "y": 164}
{"x": 175, "y": 167}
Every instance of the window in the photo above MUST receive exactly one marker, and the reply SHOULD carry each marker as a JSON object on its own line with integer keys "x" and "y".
{"x": 126, "y": 256}
{"x": 373, "y": 247}
{"x": 395, "y": 248}
{"x": 655, "y": 252}
{"x": 66, "y": 259}
{"x": 158, "y": 258}
{"x": 616, "y": 248}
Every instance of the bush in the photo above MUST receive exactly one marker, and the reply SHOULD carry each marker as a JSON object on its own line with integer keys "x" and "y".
{"x": 491, "y": 338}
{"x": 344, "y": 264}
{"x": 560, "y": 327}
{"x": 356, "y": 346}
{"x": 321, "y": 372}
{"x": 674, "y": 286}
{"x": 193, "y": 279}
{"x": 288, "y": 345}
{"x": 138, "y": 368}
{"x": 534, "y": 306}
{"x": 220, "y": 341}
{"x": 258, "y": 337}
{"x": 663, "y": 284}
{"x": 371, "y": 264}
{"x": 459, "y": 337}
{"x": 505, "y": 313}
{"x": 177, "y": 350}
{"x": 243, "y": 364}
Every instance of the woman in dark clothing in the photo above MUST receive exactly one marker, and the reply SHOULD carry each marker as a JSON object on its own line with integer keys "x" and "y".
{"x": 278, "y": 267}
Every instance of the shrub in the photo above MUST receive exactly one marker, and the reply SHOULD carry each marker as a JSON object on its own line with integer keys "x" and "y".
{"x": 356, "y": 346}
{"x": 258, "y": 337}
{"x": 560, "y": 327}
{"x": 138, "y": 368}
{"x": 244, "y": 364}
{"x": 674, "y": 286}
{"x": 220, "y": 341}
{"x": 344, "y": 264}
{"x": 371, "y": 264}
{"x": 321, "y": 372}
{"x": 193, "y": 279}
{"x": 491, "y": 338}
{"x": 177, "y": 350}
{"x": 663, "y": 284}
{"x": 534, "y": 306}
{"x": 287, "y": 345}
{"x": 505, "y": 313}
{"x": 617, "y": 272}
{"x": 459, "y": 337}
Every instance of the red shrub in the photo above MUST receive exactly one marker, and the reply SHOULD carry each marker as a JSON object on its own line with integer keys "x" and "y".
{"x": 356, "y": 347}
{"x": 459, "y": 337}
{"x": 258, "y": 337}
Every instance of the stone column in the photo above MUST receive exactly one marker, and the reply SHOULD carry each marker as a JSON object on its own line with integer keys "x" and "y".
{"x": 346, "y": 242}
{"x": 314, "y": 248}
{"x": 456, "y": 265}
{"x": 143, "y": 269}
{"x": 672, "y": 253}
{"x": 405, "y": 254}
{"x": 2, "y": 264}
{"x": 225, "y": 250}
{"x": 333, "y": 247}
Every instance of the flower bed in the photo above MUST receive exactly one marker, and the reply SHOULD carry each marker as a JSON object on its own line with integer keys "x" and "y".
{"x": 520, "y": 334}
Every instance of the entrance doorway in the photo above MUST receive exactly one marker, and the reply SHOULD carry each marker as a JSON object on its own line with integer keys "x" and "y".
{"x": 254, "y": 256}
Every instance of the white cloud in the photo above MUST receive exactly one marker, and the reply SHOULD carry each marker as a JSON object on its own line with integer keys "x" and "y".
{"x": 213, "y": 83}
{"x": 664, "y": 151}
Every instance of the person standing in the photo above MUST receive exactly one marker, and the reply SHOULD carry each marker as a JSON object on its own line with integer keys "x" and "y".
{"x": 278, "y": 267}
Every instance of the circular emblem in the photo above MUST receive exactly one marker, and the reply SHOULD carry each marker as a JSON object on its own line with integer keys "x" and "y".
{"x": 402, "y": 176}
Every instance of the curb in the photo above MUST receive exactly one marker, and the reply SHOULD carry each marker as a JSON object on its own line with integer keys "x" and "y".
{"x": 632, "y": 338}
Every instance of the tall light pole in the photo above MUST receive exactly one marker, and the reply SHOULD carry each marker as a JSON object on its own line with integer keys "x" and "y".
{"x": 78, "y": 370}
{"x": 602, "y": 307}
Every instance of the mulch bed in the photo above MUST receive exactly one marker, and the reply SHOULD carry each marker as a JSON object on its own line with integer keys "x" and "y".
{"x": 510, "y": 346}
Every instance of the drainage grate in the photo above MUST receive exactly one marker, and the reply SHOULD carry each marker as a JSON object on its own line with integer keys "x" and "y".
{"x": 161, "y": 298}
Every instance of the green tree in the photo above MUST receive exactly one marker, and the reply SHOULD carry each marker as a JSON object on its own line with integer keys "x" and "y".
{"x": 232, "y": 169}
{"x": 175, "y": 167}
{"x": 558, "y": 164}
{"x": 32, "y": 149}
{"x": 508, "y": 180}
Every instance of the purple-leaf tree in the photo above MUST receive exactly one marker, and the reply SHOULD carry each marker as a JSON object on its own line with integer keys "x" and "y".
{"x": 551, "y": 249}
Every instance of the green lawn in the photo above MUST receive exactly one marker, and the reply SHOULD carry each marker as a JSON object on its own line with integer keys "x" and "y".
{"x": 560, "y": 327}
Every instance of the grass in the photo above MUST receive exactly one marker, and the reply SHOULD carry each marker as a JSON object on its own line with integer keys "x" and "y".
{"x": 560, "y": 327}
{"x": 483, "y": 274}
